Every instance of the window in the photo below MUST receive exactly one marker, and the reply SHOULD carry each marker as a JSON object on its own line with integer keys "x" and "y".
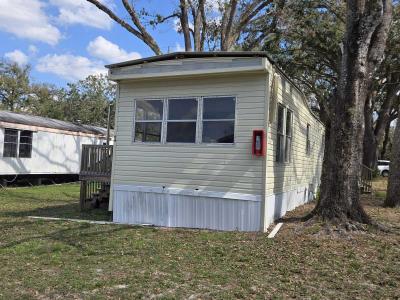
{"x": 308, "y": 142}
{"x": 284, "y": 134}
{"x": 148, "y": 120}
{"x": 218, "y": 120}
{"x": 289, "y": 125}
{"x": 185, "y": 120}
{"x": 182, "y": 120}
{"x": 10, "y": 142}
{"x": 25, "y": 144}
{"x": 280, "y": 142}
{"x": 17, "y": 143}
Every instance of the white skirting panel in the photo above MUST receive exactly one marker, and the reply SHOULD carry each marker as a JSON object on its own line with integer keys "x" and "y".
{"x": 177, "y": 210}
{"x": 278, "y": 204}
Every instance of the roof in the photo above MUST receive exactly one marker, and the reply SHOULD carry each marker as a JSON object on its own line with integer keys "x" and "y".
{"x": 193, "y": 54}
{"x": 25, "y": 119}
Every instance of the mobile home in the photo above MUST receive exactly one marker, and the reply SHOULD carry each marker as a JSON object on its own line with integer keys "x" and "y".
{"x": 42, "y": 147}
{"x": 217, "y": 140}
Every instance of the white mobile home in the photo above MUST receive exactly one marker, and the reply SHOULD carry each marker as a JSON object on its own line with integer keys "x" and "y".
{"x": 31, "y": 145}
{"x": 219, "y": 140}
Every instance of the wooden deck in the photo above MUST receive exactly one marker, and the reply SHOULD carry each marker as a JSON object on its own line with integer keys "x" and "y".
{"x": 95, "y": 174}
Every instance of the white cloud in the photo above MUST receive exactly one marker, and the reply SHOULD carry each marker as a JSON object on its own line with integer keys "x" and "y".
{"x": 33, "y": 49}
{"x": 82, "y": 12}
{"x": 27, "y": 19}
{"x": 179, "y": 48}
{"x": 17, "y": 56}
{"x": 68, "y": 66}
{"x": 108, "y": 51}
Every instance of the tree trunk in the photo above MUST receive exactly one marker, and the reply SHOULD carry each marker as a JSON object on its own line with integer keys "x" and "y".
{"x": 227, "y": 24}
{"x": 185, "y": 25}
{"x": 367, "y": 28}
{"x": 370, "y": 141}
{"x": 385, "y": 141}
{"x": 393, "y": 191}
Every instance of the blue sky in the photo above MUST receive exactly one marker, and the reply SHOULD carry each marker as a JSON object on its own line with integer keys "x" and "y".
{"x": 65, "y": 40}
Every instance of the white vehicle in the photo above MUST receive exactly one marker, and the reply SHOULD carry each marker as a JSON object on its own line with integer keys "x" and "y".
{"x": 383, "y": 167}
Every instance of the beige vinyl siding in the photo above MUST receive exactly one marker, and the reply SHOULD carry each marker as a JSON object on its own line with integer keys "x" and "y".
{"x": 226, "y": 168}
{"x": 303, "y": 169}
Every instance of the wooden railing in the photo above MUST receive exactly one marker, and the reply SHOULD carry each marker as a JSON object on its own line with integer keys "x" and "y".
{"x": 366, "y": 179}
{"x": 96, "y": 162}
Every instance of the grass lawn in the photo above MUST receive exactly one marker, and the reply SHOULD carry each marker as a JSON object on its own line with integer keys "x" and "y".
{"x": 67, "y": 260}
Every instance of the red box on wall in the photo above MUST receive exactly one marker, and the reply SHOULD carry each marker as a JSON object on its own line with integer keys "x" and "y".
{"x": 259, "y": 142}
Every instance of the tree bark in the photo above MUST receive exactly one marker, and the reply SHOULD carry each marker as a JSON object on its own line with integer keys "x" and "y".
{"x": 370, "y": 140}
{"x": 367, "y": 26}
{"x": 385, "y": 141}
{"x": 227, "y": 24}
{"x": 185, "y": 25}
{"x": 374, "y": 135}
{"x": 393, "y": 191}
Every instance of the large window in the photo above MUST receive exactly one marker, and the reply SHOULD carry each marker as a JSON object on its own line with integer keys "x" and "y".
{"x": 149, "y": 117}
{"x": 186, "y": 120}
{"x": 17, "y": 143}
{"x": 284, "y": 134}
{"x": 10, "y": 142}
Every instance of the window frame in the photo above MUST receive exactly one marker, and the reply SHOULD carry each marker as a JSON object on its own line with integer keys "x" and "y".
{"x": 164, "y": 136}
{"x": 288, "y": 160}
{"x": 21, "y": 143}
{"x": 18, "y": 143}
{"x": 221, "y": 120}
{"x": 199, "y": 121}
{"x": 282, "y": 159}
{"x": 281, "y": 153}
{"x": 147, "y": 121}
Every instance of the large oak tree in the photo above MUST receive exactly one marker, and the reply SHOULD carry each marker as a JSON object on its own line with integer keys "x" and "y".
{"x": 367, "y": 27}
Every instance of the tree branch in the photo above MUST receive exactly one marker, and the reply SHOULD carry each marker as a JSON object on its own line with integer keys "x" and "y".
{"x": 142, "y": 35}
{"x": 147, "y": 38}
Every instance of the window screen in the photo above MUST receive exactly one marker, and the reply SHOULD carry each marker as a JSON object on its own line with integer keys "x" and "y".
{"x": 182, "y": 120}
{"x": 25, "y": 144}
{"x": 10, "y": 142}
{"x": 148, "y": 120}
{"x": 218, "y": 120}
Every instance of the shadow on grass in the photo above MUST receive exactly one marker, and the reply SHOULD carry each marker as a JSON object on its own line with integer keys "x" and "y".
{"x": 73, "y": 236}
{"x": 71, "y": 210}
